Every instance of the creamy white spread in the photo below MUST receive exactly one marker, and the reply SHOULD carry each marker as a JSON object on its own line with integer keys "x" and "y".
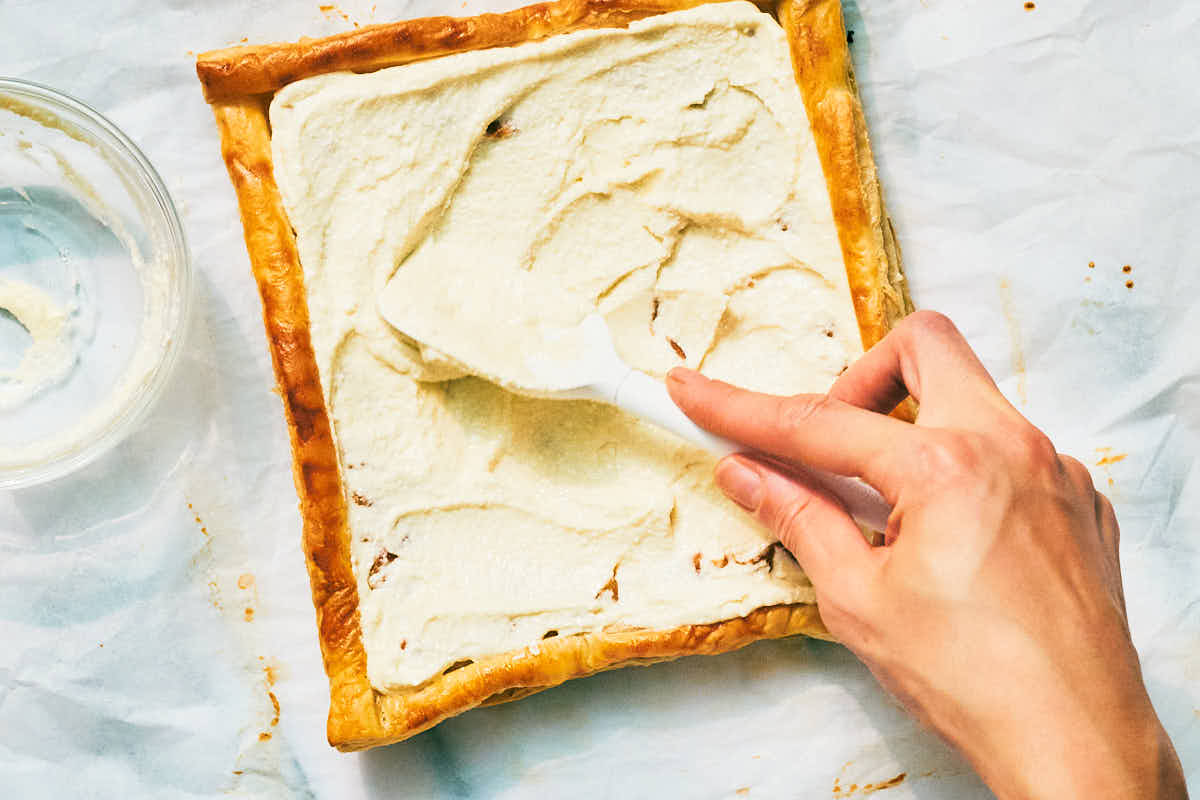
{"x": 49, "y": 355}
{"x": 664, "y": 175}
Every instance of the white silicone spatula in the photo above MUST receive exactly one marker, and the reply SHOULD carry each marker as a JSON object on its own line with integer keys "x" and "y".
{"x": 581, "y": 364}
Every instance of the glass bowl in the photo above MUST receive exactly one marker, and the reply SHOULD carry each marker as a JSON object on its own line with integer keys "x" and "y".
{"x": 95, "y": 284}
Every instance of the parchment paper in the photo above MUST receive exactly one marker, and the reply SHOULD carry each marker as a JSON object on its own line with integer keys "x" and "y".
{"x": 158, "y": 637}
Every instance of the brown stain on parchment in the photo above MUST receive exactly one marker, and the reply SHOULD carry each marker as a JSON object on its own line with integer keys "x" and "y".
{"x": 864, "y": 789}
{"x": 270, "y": 674}
{"x": 234, "y": 594}
{"x": 248, "y": 594}
{"x": 855, "y": 790}
{"x": 1126, "y": 271}
{"x": 248, "y": 586}
{"x": 247, "y": 598}
{"x": 271, "y": 670}
{"x": 200, "y": 522}
{"x": 1105, "y": 458}
{"x": 331, "y": 11}
{"x": 214, "y": 589}
{"x": 1009, "y": 308}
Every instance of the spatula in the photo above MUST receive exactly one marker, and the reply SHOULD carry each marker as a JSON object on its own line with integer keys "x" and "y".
{"x": 581, "y": 364}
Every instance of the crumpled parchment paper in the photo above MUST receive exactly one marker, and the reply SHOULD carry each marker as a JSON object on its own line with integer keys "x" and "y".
{"x": 158, "y": 638}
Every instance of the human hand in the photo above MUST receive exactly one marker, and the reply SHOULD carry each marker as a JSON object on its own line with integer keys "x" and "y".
{"x": 995, "y": 611}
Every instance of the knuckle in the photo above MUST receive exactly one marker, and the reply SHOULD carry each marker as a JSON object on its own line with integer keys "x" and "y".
{"x": 789, "y": 518}
{"x": 837, "y": 618}
{"x": 796, "y": 411}
{"x": 930, "y": 323}
{"x": 1077, "y": 473}
{"x": 1031, "y": 451}
{"x": 845, "y": 616}
{"x": 944, "y": 455}
{"x": 1035, "y": 447}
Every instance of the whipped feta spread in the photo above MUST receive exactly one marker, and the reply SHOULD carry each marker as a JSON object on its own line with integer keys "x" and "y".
{"x": 49, "y": 355}
{"x": 664, "y": 175}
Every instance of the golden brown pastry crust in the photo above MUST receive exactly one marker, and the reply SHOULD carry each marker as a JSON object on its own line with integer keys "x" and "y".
{"x": 825, "y": 75}
{"x": 239, "y": 83}
{"x": 261, "y": 69}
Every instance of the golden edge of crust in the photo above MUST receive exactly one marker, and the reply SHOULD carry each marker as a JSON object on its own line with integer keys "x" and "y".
{"x": 261, "y": 69}
{"x": 825, "y": 74}
{"x": 514, "y": 675}
{"x": 239, "y": 82}
{"x": 246, "y": 148}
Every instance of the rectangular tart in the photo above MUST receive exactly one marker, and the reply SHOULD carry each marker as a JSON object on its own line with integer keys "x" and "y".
{"x": 698, "y": 173}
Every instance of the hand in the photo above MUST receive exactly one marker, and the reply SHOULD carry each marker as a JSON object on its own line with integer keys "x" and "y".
{"x": 994, "y": 612}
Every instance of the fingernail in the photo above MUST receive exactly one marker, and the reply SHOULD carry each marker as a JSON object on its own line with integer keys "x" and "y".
{"x": 740, "y": 483}
{"x": 682, "y": 376}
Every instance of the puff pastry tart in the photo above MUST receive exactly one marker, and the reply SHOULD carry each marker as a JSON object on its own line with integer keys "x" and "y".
{"x": 698, "y": 173}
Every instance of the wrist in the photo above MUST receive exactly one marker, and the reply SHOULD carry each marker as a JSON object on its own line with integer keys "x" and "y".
{"x": 1107, "y": 754}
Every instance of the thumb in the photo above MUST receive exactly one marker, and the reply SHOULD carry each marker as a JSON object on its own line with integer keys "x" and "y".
{"x": 809, "y": 522}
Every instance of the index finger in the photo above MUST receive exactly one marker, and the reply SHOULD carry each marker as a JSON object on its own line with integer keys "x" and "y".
{"x": 811, "y": 429}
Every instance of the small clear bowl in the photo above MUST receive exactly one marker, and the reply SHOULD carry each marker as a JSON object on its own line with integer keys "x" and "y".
{"x": 95, "y": 284}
